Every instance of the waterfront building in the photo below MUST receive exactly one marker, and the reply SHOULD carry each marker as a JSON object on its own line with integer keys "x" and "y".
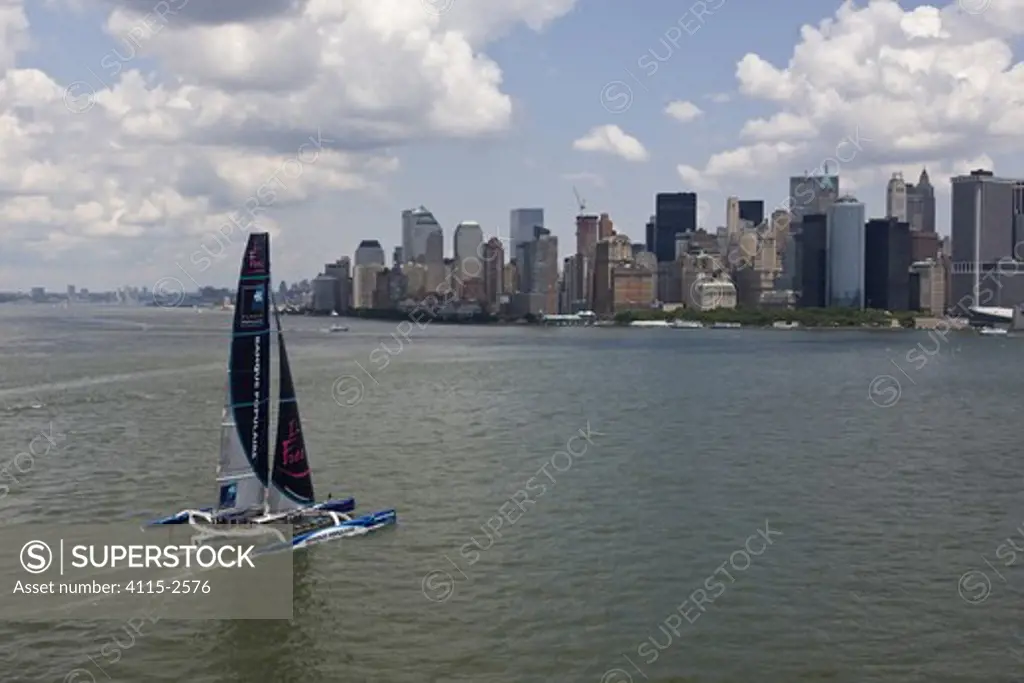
{"x": 341, "y": 271}
{"x": 887, "y": 264}
{"x": 987, "y": 230}
{"x": 846, "y": 253}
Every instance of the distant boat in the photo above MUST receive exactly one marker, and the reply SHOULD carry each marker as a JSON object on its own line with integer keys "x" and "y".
{"x": 726, "y": 326}
{"x": 337, "y": 328}
{"x": 687, "y": 325}
{"x": 993, "y": 331}
{"x": 649, "y": 323}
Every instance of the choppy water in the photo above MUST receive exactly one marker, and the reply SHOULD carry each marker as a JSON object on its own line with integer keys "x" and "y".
{"x": 699, "y": 440}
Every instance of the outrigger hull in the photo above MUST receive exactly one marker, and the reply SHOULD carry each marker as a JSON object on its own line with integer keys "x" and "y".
{"x": 352, "y": 527}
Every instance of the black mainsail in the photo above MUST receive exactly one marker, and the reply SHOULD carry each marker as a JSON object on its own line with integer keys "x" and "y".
{"x": 291, "y": 479}
{"x": 242, "y": 474}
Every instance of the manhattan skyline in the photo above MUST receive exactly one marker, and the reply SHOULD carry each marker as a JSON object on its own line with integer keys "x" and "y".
{"x": 176, "y": 139}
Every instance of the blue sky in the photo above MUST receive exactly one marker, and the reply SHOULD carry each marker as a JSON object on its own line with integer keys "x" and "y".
{"x": 555, "y": 78}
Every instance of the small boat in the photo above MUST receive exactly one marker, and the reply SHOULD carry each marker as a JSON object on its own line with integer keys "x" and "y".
{"x": 726, "y": 326}
{"x": 993, "y": 331}
{"x": 337, "y": 328}
{"x": 687, "y": 325}
{"x": 252, "y": 488}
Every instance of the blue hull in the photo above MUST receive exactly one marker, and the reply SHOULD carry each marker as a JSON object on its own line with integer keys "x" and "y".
{"x": 340, "y": 505}
{"x": 358, "y": 526}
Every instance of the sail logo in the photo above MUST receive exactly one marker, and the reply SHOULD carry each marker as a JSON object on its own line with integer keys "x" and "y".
{"x": 255, "y": 309}
{"x": 254, "y": 259}
{"x": 292, "y": 452}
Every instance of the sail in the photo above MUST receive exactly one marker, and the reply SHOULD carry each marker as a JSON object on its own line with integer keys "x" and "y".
{"x": 242, "y": 474}
{"x": 292, "y": 481}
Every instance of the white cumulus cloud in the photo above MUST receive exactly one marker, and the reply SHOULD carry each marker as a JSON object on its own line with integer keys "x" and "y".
{"x": 683, "y": 111}
{"x": 215, "y": 117}
{"x": 611, "y": 139}
{"x": 878, "y": 88}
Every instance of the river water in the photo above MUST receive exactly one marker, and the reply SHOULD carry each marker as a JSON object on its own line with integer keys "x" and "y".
{"x": 747, "y": 505}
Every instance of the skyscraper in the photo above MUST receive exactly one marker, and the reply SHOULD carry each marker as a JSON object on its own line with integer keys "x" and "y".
{"x": 921, "y": 205}
{"x": 674, "y": 213}
{"x": 586, "y": 235}
{"x": 417, "y": 226}
{"x": 887, "y": 264}
{"x": 341, "y": 271}
{"x": 521, "y": 223}
{"x": 896, "y": 198}
{"x": 732, "y": 217}
{"x": 369, "y": 253}
{"x": 433, "y": 256}
{"x": 812, "y": 194}
{"x": 812, "y": 248}
{"x": 846, "y": 253}
{"x": 468, "y": 242}
{"x": 493, "y": 271}
{"x": 987, "y": 219}
{"x": 752, "y": 210}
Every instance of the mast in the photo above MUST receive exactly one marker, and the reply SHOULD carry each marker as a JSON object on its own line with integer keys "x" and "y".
{"x": 242, "y": 475}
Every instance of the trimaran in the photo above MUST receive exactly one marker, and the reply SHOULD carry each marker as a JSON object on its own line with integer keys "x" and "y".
{"x": 251, "y": 489}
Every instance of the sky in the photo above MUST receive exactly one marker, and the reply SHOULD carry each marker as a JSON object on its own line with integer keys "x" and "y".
{"x": 140, "y": 139}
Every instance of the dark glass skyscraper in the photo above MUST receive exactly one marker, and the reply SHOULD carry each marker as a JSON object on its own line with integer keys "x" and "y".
{"x": 887, "y": 264}
{"x": 674, "y": 213}
{"x": 752, "y": 210}
{"x": 812, "y": 245}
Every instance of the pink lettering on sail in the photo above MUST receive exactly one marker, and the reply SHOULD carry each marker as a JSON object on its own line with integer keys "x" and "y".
{"x": 255, "y": 260}
{"x": 292, "y": 452}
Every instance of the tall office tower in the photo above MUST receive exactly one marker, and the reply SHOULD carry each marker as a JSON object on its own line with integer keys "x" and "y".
{"x": 896, "y": 198}
{"x": 732, "y": 216}
{"x": 752, "y": 210}
{"x": 521, "y": 223}
{"x": 527, "y": 261}
{"x": 341, "y": 271}
{"x": 812, "y": 194}
{"x": 611, "y": 252}
{"x": 586, "y": 235}
{"x": 987, "y": 228}
{"x": 324, "y": 287}
{"x": 649, "y": 234}
{"x": 575, "y": 274}
{"x": 674, "y": 213}
{"x": 396, "y": 257}
{"x": 468, "y": 242}
{"x": 493, "y": 272}
{"x": 364, "y": 281}
{"x": 925, "y": 189}
{"x": 545, "y": 272}
{"x": 921, "y": 205}
{"x": 510, "y": 277}
{"x": 433, "y": 258}
{"x": 605, "y": 227}
{"x": 369, "y": 253}
{"x": 812, "y": 250}
{"x": 887, "y": 264}
{"x": 417, "y": 226}
{"x": 407, "y": 228}
{"x": 846, "y": 253}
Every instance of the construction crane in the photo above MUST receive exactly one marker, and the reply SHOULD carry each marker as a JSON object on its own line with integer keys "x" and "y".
{"x": 579, "y": 201}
